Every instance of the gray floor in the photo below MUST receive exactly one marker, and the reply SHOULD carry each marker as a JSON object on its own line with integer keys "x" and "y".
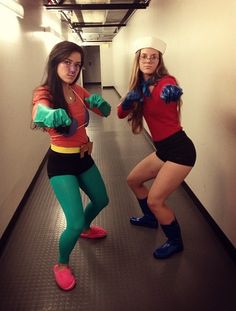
{"x": 118, "y": 273}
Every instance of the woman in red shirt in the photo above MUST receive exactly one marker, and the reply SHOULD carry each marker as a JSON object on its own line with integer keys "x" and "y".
{"x": 155, "y": 96}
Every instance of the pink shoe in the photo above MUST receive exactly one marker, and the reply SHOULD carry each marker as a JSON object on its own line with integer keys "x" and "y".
{"x": 64, "y": 277}
{"x": 95, "y": 232}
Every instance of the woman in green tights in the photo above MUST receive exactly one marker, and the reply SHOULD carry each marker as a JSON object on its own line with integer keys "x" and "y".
{"x": 60, "y": 108}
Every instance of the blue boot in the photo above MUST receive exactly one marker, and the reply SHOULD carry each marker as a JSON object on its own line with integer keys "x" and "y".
{"x": 148, "y": 220}
{"x": 145, "y": 221}
{"x": 173, "y": 245}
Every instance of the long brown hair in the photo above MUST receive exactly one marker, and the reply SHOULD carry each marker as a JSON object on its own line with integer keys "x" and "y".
{"x": 53, "y": 82}
{"x": 59, "y": 53}
{"x": 136, "y": 116}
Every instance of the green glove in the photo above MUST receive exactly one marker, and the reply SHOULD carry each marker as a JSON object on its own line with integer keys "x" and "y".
{"x": 48, "y": 117}
{"x": 95, "y": 100}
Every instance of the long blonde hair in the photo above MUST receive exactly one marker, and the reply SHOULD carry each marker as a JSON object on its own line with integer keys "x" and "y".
{"x": 136, "y": 115}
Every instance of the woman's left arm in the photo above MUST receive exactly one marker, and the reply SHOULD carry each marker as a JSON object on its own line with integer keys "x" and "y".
{"x": 97, "y": 104}
{"x": 170, "y": 91}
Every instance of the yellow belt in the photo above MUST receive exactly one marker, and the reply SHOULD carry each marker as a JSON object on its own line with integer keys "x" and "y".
{"x": 65, "y": 149}
{"x": 82, "y": 149}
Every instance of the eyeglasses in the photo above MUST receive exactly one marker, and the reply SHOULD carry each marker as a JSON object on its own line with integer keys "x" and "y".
{"x": 69, "y": 64}
{"x": 152, "y": 58}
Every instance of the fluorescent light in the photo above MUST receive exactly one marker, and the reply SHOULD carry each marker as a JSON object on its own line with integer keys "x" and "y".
{"x": 14, "y": 7}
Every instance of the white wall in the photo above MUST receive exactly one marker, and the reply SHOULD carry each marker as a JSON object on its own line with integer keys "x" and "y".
{"x": 201, "y": 53}
{"x": 106, "y": 64}
{"x": 24, "y": 47}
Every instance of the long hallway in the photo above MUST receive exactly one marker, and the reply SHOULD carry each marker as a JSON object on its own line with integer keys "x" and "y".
{"x": 117, "y": 273}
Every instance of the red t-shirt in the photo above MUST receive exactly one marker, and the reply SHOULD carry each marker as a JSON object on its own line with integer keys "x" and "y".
{"x": 78, "y": 110}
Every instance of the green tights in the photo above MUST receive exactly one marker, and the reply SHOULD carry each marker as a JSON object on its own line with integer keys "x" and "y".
{"x": 67, "y": 191}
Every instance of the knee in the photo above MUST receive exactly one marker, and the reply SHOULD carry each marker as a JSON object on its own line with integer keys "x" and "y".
{"x": 155, "y": 203}
{"x": 77, "y": 226}
{"x": 103, "y": 202}
{"x": 131, "y": 181}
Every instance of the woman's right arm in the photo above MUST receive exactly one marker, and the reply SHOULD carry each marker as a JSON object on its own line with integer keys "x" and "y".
{"x": 126, "y": 106}
{"x": 43, "y": 115}
{"x": 121, "y": 113}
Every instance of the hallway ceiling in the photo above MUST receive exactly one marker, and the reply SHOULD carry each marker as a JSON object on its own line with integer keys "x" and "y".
{"x": 96, "y": 20}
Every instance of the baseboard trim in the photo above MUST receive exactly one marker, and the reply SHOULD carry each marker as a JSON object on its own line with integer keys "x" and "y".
{"x": 220, "y": 234}
{"x": 116, "y": 91}
{"x": 108, "y": 87}
{"x": 19, "y": 209}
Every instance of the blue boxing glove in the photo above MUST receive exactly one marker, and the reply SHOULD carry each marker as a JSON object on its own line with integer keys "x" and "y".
{"x": 171, "y": 93}
{"x": 131, "y": 97}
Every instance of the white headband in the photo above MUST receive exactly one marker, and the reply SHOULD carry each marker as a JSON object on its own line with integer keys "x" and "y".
{"x": 150, "y": 42}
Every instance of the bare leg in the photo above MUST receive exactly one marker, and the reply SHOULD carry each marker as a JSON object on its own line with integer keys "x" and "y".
{"x": 145, "y": 170}
{"x": 170, "y": 176}
{"x": 168, "y": 179}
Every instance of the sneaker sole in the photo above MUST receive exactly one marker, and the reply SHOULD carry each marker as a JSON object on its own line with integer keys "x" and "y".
{"x": 68, "y": 288}
{"x": 143, "y": 225}
{"x": 93, "y": 237}
{"x": 168, "y": 256}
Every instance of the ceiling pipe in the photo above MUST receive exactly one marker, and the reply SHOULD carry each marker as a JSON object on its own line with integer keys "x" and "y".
{"x": 99, "y": 6}
{"x": 70, "y": 24}
{"x": 91, "y": 25}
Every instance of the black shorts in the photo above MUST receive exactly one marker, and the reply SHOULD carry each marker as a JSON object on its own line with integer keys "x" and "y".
{"x": 68, "y": 163}
{"x": 177, "y": 148}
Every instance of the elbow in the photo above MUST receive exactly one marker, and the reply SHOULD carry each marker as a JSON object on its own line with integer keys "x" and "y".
{"x": 120, "y": 115}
